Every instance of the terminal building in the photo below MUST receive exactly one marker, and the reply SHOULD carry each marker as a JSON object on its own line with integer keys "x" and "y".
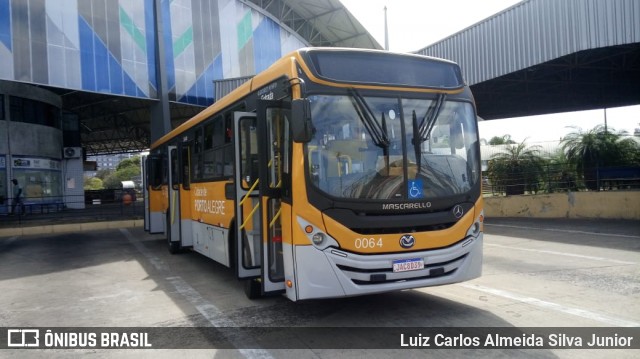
{"x": 92, "y": 77}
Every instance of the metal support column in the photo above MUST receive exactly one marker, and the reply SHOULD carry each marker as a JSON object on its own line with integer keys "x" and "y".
{"x": 160, "y": 113}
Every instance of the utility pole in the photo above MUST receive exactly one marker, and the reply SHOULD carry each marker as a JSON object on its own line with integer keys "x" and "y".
{"x": 386, "y": 31}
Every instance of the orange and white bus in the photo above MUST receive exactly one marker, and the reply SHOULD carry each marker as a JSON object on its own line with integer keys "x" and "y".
{"x": 335, "y": 172}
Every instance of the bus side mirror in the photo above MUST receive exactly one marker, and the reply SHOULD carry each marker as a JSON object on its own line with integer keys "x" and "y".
{"x": 301, "y": 125}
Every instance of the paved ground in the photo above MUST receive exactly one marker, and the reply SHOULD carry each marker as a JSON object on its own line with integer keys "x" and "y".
{"x": 537, "y": 273}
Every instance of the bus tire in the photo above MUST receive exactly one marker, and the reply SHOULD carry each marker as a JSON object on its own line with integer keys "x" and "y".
{"x": 174, "y": 247}
{"x": 253, "y": 288}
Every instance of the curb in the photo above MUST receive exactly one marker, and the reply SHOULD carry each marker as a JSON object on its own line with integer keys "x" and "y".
{"x": 69, "y": 227}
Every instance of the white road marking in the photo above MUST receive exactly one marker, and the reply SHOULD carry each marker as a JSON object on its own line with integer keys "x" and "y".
{"x": 560, "y": 253}
{"x": 563, "y": 230}
{"x": 208, "y": 310}
{"x": 603, "y": 318}
{"x": 155, "y": 261}
{"x": 217, "y": 318}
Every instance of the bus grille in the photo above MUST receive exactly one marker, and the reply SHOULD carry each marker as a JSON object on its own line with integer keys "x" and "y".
{"x": 400, "y": 230}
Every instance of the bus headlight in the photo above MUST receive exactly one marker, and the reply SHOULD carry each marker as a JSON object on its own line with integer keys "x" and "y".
{"x": 475, "y": 229}
{"x": 318, "y": 238}
{"x": 477, "y": 226}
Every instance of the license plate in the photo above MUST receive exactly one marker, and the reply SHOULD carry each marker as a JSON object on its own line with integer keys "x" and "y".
{"x": 405, "y": 265}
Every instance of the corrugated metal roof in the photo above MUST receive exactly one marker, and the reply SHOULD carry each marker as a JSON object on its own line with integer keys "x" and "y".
{"x": 318, "y": 22}
{"x": 336, "y": 24}
{"x": 536, "y": 31}
{"x": 223, "y": 87}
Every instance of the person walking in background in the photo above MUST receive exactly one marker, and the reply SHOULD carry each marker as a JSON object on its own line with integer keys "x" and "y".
{"x": 17, "y": 197}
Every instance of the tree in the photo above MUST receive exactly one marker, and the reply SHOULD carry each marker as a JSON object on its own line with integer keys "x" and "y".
{"x": 127, "y": 170}
{"x": 104, "y": 173}
{"x": 129, "y": 162}
{"x": 504, "y": 140}
{"x": 517, "y": 169}
{"x": 598, "y": 148}
{"x": 92, "y": 183}
{"x": 560, "y": 173}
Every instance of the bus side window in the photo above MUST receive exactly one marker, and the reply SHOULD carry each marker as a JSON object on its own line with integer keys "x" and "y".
{"x": 163, "y": 167}
{"x": 173, "y": 161}
{"x": 155, "y": 172}
{"x": 248, "y": 151}
{"x": 196, "y": 159}
{"x": 227, "y": 169}
{"x": 186, "y": 163}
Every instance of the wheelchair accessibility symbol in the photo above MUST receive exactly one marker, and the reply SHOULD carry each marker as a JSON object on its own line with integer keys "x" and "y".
{"x": 415, "y": 189}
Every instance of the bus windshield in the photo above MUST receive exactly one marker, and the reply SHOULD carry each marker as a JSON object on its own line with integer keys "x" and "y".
{"x": 392, "y": 148}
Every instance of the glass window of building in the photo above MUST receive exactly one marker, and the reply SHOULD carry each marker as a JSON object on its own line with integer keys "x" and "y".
{"x": 41, "y": 179}
{"x": 30, "y": 111}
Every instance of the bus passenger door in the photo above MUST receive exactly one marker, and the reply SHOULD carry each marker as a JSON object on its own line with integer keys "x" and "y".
{"x": 173, "y": 211}
{"x": 274, "y": 158}
{"x": 186, "y": 202}
{"x": 247, "y": 200}
{"x": 145, "y": 191}
{"x": 154, "y": 195}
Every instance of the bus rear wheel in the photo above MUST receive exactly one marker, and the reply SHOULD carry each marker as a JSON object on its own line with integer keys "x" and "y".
{"x": 253, "y": 288}
{"x": 174, "y": 247}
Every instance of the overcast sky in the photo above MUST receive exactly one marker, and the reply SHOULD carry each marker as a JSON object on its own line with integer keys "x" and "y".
{"x": 415, "y": 24}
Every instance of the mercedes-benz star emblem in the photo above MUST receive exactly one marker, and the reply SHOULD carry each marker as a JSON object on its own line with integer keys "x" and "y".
{"x": 407, "y": 241}
{"x": 458, "y": 211}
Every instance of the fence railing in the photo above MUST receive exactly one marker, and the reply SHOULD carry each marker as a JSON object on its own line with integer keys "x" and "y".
{"x": 557, "y": 178}
{"x": 74, "y": 210}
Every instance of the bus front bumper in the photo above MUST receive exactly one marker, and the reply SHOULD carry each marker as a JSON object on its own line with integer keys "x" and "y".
{"x": 334, "y": 273}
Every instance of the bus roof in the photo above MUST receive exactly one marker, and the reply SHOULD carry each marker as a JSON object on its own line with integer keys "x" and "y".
{"x": 342, "y": 65}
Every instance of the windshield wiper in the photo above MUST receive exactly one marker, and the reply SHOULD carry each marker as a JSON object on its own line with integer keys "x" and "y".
{"x": 422, "y": 132}
{"x": 378, "y": 133}
{"x": 417, "y": 143}
{"x": 429, "y": 119}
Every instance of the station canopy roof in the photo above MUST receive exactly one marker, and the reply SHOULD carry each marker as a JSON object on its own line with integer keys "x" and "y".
{"x": 320, "y": 22}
